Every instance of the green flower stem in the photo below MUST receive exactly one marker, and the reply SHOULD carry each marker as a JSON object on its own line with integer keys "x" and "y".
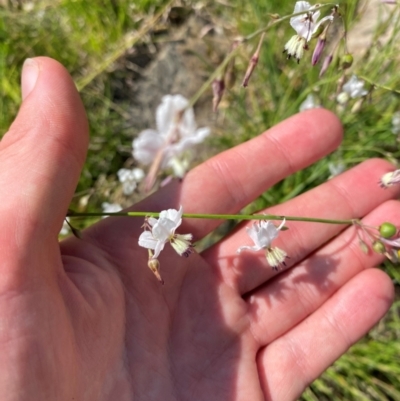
{"x": 374, "y": 84}
{"x": 221, "y": 217}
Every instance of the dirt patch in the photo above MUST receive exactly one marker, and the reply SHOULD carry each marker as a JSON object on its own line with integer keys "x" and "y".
{"x": 175, "y": 61}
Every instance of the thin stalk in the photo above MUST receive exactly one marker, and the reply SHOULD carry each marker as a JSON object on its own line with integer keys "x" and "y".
{"x": 222, "y": 217}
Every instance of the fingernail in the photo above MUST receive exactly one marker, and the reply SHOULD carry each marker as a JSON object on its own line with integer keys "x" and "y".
{"x": 30, "y": 73}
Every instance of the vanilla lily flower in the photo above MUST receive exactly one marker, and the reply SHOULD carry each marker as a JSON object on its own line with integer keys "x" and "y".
{"x": 176, "y": 132}
{"x": 262, "y": 233}
{"x": 390, "y": 179}
{"x": 353, "y": 88}
{"x": 130, "y": 179}
{"x": 306, "y": 25}
{"x": 162, "y": 230}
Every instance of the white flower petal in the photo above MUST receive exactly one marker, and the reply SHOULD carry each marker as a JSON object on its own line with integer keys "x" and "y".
{"x": 110, "y": 208}
{"x": 147, "y": 145}
{"x": 146, "y": 240}
{"x": 128, "y": 187}
{"x": 167, "y": 112}
{"x": 309, "y": 103}
{"x": 250, "y": 248}
{"x": 163, "y": 229}
{"x": 355, "y": 87}
{"x": 138, "y": 174}
{"x": 159, "y": 247}
{"x": 173, "y": 215}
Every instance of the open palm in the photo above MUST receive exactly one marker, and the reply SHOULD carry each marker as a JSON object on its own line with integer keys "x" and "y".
{"x": 87, "y": 320}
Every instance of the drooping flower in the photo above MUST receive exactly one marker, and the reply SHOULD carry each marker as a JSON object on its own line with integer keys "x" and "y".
{"x": 353, "y": 88}
{"x": 129, "y": 179}
{"x": 305, "y": 25}
{"x": 162, "y": 230}
{"x": 176, "y": 132}
{"x": 389, "y": 179}
{"x": 263, "y": 232}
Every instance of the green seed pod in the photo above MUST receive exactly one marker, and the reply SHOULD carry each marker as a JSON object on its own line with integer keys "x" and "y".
{"x": 346, "y": 61}
{"x": 387, "y": 230}
{"x": 378, "y": 247}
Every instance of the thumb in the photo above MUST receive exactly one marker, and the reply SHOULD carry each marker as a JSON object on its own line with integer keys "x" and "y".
{"x": 42, "y": 154}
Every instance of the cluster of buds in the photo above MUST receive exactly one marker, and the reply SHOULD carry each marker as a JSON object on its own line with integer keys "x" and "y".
{"x": 384, "y": 240}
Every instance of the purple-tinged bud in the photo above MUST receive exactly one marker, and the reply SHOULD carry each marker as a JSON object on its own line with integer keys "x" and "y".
{"x": 347, "y": 61}
{"x": 319, "y": 48}
{"x": 325, "y": 65}
{"x": 252, "y": 65}
{"x": 218, "y": 88}
{"x": 253, "y": 62}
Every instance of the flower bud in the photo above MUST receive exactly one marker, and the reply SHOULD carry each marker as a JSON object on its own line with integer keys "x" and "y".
{"x": 379, "y": 247}
{"x": 154, "y": 266}
{"x": 218, "y": 88}
{"x": 364, "y": 247}
{"x": 387, "y": 230}
{"x": 318, "y": 50}
{"x": 347, "y": 61}
{"x": 327, "y": 62}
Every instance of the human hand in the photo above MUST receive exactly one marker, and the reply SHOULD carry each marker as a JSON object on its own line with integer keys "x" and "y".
{"x": 87, "y": 320}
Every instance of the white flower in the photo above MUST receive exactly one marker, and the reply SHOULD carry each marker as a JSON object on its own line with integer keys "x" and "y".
{"x": 162, "y": 230}
{"x": 130, "y": 179}
{"x": 396, "y": 122}
{"x": 354, "y": 88}
{"x": 65, "y": 229}
{"x": 305, "y": 25}
{"x": 176, "y": 132}
{"x": 262, "y": 233}
{"x": 309, "y": 103}
{"x": 110, "y": 208}
{"x": 336, "y": 168}
{"x": 389, "y": 179}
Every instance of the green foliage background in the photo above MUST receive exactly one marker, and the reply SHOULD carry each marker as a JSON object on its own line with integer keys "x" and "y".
{"x": 89, "y": 37}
